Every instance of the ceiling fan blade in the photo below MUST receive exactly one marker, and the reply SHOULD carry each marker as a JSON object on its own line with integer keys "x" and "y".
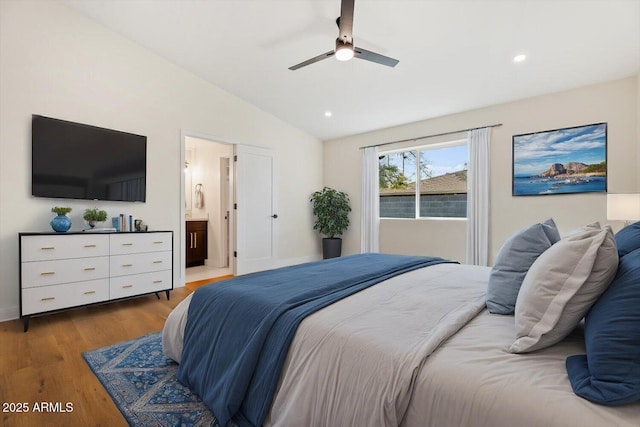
{"x": 358, "y": 52}
{"x": 313, "y": 60}
{"x": 345, "y": 22}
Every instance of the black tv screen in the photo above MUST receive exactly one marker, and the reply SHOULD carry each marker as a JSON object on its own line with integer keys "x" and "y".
{"x": 77, "y": 161}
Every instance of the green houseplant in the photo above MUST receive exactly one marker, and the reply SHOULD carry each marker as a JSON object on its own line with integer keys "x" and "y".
{"x": 331, "y": 209}
{"x": 60, "y": 210}
{"x": 61, "y": 223}
{"x": 92, "y": 216}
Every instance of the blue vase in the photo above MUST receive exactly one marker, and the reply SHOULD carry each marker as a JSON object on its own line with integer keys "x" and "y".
{"x": 61, "y": 223}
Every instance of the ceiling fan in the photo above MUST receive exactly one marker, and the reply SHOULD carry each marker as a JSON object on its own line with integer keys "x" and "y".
{"x": 345, "y": 49}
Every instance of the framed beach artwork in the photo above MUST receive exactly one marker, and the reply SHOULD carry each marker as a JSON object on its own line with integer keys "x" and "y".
{"x": 560, "y": 161}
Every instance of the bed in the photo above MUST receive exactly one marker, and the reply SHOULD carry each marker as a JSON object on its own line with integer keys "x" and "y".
{"x": 419, "y": 349}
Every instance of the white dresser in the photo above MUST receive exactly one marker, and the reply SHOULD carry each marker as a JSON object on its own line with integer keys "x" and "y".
{"x": 64, "y": 270}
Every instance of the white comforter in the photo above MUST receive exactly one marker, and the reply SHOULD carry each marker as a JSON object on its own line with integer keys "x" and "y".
{"x": 356, "y": 362}
{"x": 474, "y": 381}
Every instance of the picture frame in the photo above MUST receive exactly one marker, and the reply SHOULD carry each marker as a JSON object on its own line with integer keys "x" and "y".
{"x": 560, "y": 161}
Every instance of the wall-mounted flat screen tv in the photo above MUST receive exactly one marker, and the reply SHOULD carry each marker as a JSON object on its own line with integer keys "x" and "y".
{"x": 77, "y": 161}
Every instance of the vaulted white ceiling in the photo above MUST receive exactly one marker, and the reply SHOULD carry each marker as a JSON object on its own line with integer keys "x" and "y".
{"x": 455, "y": 55}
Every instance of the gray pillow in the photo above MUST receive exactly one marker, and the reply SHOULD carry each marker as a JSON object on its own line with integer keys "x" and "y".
{"x": 562, "y": 285}
{"x": 513, "y": 261}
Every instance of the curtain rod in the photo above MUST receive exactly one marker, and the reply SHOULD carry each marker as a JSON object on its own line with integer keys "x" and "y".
{"x": 432, "y": 136}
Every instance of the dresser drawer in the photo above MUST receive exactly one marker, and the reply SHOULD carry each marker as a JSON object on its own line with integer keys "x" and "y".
{"x": 45, "y": 273}
{"x": 47, "y": 298}
{"x": 137, "y": 284}
{"x": 122, "y": 265}
{"x": 42, "y": 248}
{"x": 131, "y": 243}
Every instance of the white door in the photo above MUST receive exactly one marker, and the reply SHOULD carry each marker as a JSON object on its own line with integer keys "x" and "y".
{"x": 255, "y": 209}
{"x": 225, "y": 210}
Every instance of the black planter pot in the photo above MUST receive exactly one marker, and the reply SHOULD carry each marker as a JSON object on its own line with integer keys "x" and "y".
{"x": 331, "y": 247}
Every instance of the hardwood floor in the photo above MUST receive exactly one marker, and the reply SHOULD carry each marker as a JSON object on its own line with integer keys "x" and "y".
{"x": 195, "y": 285}
{"x": 45, "y": 364}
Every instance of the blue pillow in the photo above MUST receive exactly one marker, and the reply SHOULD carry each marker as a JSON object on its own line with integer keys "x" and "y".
{"x": 609, "y": 373}
{"x": 628, "y": 239}
{"x": 513, "y": 261}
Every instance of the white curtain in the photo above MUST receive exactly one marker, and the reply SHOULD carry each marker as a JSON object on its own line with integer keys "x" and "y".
{"x": 478, "y": 197}
{"x": 370, "y": 221}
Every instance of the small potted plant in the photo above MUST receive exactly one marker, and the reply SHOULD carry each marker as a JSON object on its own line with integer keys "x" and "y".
{"x": 61, "y": 223}
{"x": 331, "y": 209}
{"x": 93, "y": 216}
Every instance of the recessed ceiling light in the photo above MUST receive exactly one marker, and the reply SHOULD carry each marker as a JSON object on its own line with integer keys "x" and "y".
{"x": 328, "y": 114}
{"x": 519, "y": 58}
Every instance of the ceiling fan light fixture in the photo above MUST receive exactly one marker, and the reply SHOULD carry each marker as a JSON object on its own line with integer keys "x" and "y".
{"x": 344, "y": 51}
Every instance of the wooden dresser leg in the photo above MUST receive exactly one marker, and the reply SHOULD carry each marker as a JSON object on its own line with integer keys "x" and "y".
{"x": 25, "y": 319}
{"x": 167, "y": 292}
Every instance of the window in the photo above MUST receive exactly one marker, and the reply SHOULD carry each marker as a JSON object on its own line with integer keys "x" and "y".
{"x": 424, "y": 182}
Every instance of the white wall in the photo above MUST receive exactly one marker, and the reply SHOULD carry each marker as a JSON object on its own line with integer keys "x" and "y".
{"x": 613, "y": 102}
{"x": 58, "y": 63}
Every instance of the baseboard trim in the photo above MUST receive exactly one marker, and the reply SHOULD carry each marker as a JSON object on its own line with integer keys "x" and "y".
{"x": 11, "y": 313}
{"x": 294, "y": 261}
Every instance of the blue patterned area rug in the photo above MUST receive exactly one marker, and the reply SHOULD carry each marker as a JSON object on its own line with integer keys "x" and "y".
{"x": 143, "y": 384}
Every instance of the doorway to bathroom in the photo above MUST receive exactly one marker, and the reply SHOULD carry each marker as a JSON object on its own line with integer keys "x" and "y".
{"x": 208, "y": 201}
{"x": 228, "y": 189}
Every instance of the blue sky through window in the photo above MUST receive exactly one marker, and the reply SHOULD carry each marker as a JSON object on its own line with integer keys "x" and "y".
{"x": 439, "y": 161}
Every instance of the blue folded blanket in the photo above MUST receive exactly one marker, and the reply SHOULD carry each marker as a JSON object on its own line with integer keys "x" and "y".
{"x": 238, "y": 332}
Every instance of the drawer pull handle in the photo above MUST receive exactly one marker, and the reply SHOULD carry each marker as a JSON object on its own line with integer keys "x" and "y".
{"x": 89, "y": 269}
{"x": 127, "y": 265}
{"x": 48, "y": 273}
{"x": 157, "y": 262}
{"x": 127, "y": 244}
{"x": 47, "y": 299}
{"x": 158, "y": 242}
{"x": 89, "y": 246}
{"x": 48, "y": 248}
{"x": 157, "y": 281}
{"x": 90, "y": 292}
{"x": 127, "y": 286}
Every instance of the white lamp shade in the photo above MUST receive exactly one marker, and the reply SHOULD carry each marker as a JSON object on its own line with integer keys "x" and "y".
{"x": 624, "y": 207}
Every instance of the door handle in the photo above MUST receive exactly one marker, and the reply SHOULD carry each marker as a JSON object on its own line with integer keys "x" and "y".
{"x": 274, "y": 216}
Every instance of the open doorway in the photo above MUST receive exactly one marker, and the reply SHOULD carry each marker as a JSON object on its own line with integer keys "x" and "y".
{"x": 207, "y": 193}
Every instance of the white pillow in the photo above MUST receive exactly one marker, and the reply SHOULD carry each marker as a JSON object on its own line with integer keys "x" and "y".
{"x": 561, "y": 286}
